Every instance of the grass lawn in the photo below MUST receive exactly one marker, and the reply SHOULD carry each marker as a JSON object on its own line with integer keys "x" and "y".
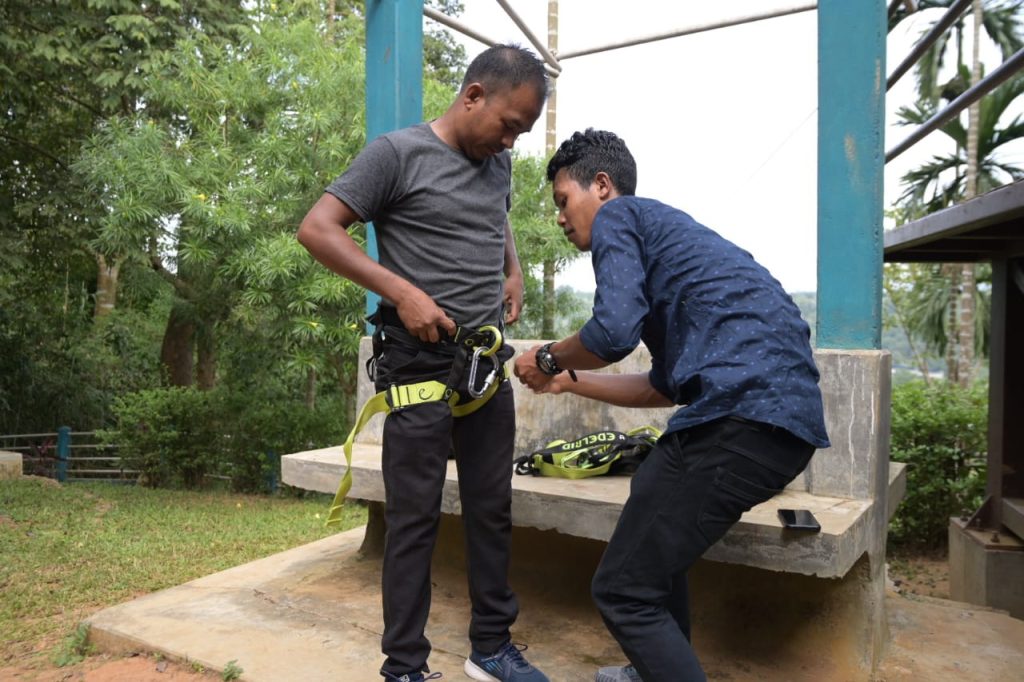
{"x": 70, "y": 550}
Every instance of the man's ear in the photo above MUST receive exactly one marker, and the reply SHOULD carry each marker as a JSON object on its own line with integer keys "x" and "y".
{"x": 605, "y": 187}
{"x": 472, "y": 95}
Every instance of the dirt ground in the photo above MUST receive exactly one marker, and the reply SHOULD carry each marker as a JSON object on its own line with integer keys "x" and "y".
{"x": 924, "y": 575}
{"x": 104, "y": 668}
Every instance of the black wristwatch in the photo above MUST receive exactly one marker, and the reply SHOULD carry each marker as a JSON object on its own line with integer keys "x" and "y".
{"x": 547, "y": 364}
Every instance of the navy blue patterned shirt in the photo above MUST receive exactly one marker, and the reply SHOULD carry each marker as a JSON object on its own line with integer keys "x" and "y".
{"x": 725, "y": 338}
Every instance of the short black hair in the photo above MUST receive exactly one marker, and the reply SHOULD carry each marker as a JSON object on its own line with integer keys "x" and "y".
{"x": 586, "y": 154}
{"x": 507, "y": 66}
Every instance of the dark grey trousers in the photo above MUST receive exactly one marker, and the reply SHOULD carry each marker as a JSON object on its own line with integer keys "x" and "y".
{"x": 693, "y": 486}
{"x": 417, "y": 443}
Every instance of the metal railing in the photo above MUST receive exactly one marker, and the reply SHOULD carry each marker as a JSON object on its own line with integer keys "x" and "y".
{"x": 983, "y": 87}
{"x": 68, "y": 456}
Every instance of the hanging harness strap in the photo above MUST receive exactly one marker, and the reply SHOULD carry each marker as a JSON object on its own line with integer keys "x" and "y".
{"x": 397, "y": 397}
{"x": 594, "y": 454}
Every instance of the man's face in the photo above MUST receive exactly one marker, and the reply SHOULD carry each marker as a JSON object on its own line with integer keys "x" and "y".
{"x": 577, "y": 206}
{"x": 495, "y": 120}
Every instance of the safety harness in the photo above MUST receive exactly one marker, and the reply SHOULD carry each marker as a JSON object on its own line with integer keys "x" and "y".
{"x": 471, "y": 346}
{"x": 597, "y": 453}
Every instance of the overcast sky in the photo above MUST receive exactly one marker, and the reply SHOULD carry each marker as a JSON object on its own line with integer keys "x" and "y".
{"x": 723, "y": 124}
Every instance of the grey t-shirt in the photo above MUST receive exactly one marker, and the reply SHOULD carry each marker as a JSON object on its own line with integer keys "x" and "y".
{"x": 439, "y": 218}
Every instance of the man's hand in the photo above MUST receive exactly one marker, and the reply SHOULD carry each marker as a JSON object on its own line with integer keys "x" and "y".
{"x": 422, "y": 317}
{"x": 560, "y": 383}
{"x": 528, "y": 372}
{"x": 513, "y": 297}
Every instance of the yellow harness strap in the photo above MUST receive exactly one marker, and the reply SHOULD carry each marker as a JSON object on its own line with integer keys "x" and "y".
{"x": 396, "y": 398}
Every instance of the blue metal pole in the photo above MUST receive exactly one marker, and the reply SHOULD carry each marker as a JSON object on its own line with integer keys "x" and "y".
{"x": 394, "y": 79}
{"x": 273, "y": 466}
{"x": 851, "y": 117}
{"x": 63, "y": 452}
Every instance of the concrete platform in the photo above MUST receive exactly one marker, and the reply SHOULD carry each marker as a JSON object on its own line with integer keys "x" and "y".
{"x": 312, "y": 614}
{"x": 10, "y": 465}
{"x": 589, "y": 508}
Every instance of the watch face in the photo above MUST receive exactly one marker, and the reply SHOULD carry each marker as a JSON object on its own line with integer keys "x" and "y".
{"x": 546, "y": 361}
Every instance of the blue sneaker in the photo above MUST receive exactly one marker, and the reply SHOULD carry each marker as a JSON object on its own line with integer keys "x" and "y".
{"x": 410, "y": 677}
{"x": 506, "y": 665}
{"x": 625, "y": 673}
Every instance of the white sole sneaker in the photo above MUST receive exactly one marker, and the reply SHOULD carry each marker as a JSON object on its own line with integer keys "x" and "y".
{"x": 475, "y": 672}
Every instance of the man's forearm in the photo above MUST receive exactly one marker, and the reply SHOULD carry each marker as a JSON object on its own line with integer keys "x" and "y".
{"x": 624, "y": 390}
{"x": 512, "y": 266}
{"x": 323, "y": 232}
{"x": 570, "y": 353}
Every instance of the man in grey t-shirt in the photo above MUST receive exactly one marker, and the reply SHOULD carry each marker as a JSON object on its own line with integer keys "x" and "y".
{"x": 438, "y": 196}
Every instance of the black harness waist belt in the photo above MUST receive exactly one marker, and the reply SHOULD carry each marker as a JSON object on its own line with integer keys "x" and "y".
{"x": 466, "y": 345}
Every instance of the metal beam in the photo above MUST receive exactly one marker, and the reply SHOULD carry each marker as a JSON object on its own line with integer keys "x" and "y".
{"x": 851, "y": 115}
{"x": 999, "y": 205}
{"x": 541, "y": 48}
{"x": 457, "y": 25}
{"x": 462, "y": 28}
{"x": 971, "y": 95}
{"x": 929, "y": 257}
{"x": 698, "y": 28}
{"x": 1005, "y": 459}
{"x": 947, "y": 20}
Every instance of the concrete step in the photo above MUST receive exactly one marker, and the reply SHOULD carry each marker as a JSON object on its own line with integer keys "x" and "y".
{"x": 312, "y": 614}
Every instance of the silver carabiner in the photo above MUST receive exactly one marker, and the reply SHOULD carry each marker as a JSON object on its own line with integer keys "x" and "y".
{"x": 491, "y": 376}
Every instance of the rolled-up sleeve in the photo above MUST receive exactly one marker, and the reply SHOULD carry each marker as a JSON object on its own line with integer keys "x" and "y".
{"x": 620, "y": 302}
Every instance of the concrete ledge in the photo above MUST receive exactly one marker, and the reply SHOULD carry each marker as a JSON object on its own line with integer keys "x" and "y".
{"x": 590, "y": 508}
{"x": 313, "y": 614}
{"x": 10, "y": 465}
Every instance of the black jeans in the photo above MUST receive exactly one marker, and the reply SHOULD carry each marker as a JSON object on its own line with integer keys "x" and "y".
{"x": 417, "y": 443}
{"x": 693, "y": 486}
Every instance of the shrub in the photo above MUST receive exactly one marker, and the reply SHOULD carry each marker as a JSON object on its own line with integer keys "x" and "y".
{"x": 171, "y": 435}
{"x": 262, "y": 428}
{"x": 180, "y": 436}
{"x": 940, "y": 431}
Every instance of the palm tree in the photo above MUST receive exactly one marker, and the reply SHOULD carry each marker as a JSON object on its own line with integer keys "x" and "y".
{"x": 921, "y": 298}
{"x": 973, "y": 166}
{"x": 1001, "y": 22}
{"x": 942, "y": 181}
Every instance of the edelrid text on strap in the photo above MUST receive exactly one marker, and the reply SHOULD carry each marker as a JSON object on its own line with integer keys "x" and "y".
{"x": 594, "y": 454}
{"x": 472, "y": 344}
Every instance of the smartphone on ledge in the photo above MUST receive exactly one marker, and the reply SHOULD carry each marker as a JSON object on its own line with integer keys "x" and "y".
{"x": 799, "y": 519}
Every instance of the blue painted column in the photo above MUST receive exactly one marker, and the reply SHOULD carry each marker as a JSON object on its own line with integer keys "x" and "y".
{"x": 394, "y": 79}
{"x": 851, "y": 118}
{"x": 63, "y": 452}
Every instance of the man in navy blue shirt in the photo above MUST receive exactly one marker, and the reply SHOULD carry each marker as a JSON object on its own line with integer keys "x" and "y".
{"x": 727, "y": 344}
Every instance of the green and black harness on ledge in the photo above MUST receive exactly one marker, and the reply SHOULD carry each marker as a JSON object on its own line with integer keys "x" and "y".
{"x": 595, "y": 454}
{"x": 471, "y": 347}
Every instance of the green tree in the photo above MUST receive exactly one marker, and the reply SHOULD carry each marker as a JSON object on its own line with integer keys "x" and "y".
{"x": 974, "y": 167}
{"x": 539, "y": 240}
{"x": 942, "y": 181}
{"x": 919, "y": 296}
{"x": 444, "y": 59}
{"x": 65, "y": 67}
{"x": 211, "y": 196}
